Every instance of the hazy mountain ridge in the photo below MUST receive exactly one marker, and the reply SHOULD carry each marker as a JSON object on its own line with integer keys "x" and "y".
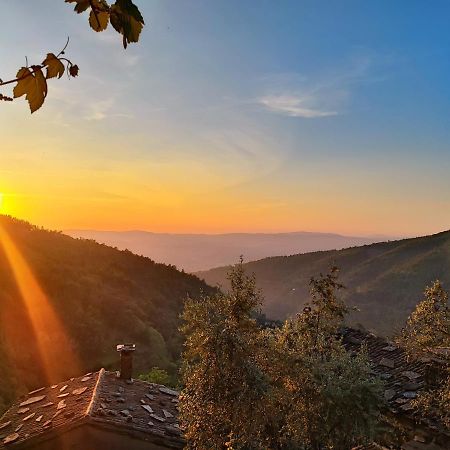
{"x": 102, "y": 296}
{"x": 195, "y": 252}
{"x": 384, "y": 280}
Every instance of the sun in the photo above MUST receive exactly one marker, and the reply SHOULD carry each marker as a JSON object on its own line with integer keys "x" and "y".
{"x": 1, "y": 202}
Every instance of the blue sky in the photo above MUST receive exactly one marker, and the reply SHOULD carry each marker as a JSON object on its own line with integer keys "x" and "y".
{"x": 236, "y": 116}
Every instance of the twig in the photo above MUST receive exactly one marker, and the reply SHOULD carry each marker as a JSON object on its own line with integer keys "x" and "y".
{"x": 37, "y": 67}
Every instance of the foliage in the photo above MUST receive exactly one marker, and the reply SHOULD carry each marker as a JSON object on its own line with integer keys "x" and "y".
{"x": 102, "y": 296}
{"x": 158, "y": 376}
{"x": 31, "y": 81}
{"x": 286, "y": 388}
{"x": 427, "y": 334}
{"x": 222, "y": 403}
{"x": 383, "y": 280}
{"x": 428, "y": 326}
{"x": 328, "y": 398}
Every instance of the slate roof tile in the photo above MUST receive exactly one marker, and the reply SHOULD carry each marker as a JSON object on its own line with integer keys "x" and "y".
{"x": 93, "y": 398}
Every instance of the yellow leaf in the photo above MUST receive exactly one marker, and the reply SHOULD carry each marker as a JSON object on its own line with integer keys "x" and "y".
{"x": 80, "y": 5}
{"x": 33, "y": 85}
{"x": 99, "y": 21}
{"x": 127, "y": 20}
{"x": 36, "y": 96}
{"x": 24, "y": 83}
{"x": 55, "y": 68}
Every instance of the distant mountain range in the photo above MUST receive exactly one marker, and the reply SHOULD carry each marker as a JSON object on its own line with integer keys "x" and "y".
{"x": 384, "y": 280}
{"x": 194, "y": 252}
{"x": 101, "y": 295}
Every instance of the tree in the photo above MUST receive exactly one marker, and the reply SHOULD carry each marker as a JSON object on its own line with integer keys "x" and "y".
{"x": 427, "y": 334}
{"x": 31, "y": 81}
{"x": 158, "y": 376}
{"x": 222, "y": 403}
{"x": 290, "y": 388}
{"x": 326, "y": 396}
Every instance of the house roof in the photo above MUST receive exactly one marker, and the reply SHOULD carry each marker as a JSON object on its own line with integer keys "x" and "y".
{"x": 100, "y": 399}
{"x": 150, "y": 410}
{"x": 404, "y": 378}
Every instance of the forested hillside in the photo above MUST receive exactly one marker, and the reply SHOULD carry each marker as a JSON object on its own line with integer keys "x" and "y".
{"x": 384, "y": 280}
{"x": 102, "y": 297}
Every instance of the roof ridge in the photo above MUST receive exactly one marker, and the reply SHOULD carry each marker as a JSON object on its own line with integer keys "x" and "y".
{"x": 94, "y": 392}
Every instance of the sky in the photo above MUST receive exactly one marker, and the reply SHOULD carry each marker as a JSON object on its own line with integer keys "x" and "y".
{"x": 234, "y": 115}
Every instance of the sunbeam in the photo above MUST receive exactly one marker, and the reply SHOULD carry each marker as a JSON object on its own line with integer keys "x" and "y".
{"x": 56, "y": 351}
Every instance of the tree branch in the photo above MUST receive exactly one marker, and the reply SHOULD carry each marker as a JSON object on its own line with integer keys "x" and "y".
{"x": 35, "y": 68}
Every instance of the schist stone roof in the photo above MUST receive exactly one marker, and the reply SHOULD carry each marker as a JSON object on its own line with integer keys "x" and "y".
{"x": 404, "y": 378}
{"x": 100, "y": 399}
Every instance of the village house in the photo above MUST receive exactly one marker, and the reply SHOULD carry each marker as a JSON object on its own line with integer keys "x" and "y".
{"x": 404, "y": 379}
{"x": 111, "y": 410}
{"x": 101, "y": 410}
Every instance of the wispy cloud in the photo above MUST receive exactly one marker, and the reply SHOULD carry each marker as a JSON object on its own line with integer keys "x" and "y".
{"x": 294, "y": 105}
{"x": 324, "y": 95}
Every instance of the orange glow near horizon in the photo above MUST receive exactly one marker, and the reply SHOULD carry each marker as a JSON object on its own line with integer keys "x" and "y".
{"x": 56, "y": 352}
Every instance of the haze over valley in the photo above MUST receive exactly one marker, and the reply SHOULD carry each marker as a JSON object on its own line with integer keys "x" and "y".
{"x": 194, "y": 252}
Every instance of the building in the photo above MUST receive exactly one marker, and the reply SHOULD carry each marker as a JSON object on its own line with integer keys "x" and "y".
{"x": 112, "y": 411}
{"x": 404, "y": 380}
{"x": 101, "y": 410}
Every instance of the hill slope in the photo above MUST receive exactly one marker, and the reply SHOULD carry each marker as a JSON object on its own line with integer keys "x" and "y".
{"x": 193, "y": 252}
{"x": 384, "y": 280}
{"x": 102, "y": 297}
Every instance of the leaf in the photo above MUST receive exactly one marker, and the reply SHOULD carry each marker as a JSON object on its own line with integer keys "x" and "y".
{"x": 73, "y": 70}
{"x": 127, "y": 20}
{"x": 25, "y": 82}
{"x": 81, "y": 5}
{"x": 98, "y": 20}
{"x": 33, "y": 85}
{"x": 55, "y": 68}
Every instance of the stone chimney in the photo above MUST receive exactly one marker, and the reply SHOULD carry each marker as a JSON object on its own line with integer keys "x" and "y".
{"x": 126, "y": 360}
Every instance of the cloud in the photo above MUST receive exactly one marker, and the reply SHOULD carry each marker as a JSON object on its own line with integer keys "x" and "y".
{"x": 294, "y": 106}
{"x": 322, "y": 95}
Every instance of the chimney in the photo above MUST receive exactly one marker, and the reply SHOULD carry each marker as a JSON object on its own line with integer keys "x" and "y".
{"x": 126, "y": 360}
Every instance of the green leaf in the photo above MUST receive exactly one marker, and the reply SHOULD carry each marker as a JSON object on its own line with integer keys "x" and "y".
{"x": 98, "y": 20}
{"x": 81, "y": 5}
{"x": 33, "y": 85}
{"x": 55, "y": 68}
{"x": 127, "y": 20}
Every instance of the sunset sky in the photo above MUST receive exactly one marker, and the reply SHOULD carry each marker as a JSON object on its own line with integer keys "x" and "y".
{"x": 234, "y": 115}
